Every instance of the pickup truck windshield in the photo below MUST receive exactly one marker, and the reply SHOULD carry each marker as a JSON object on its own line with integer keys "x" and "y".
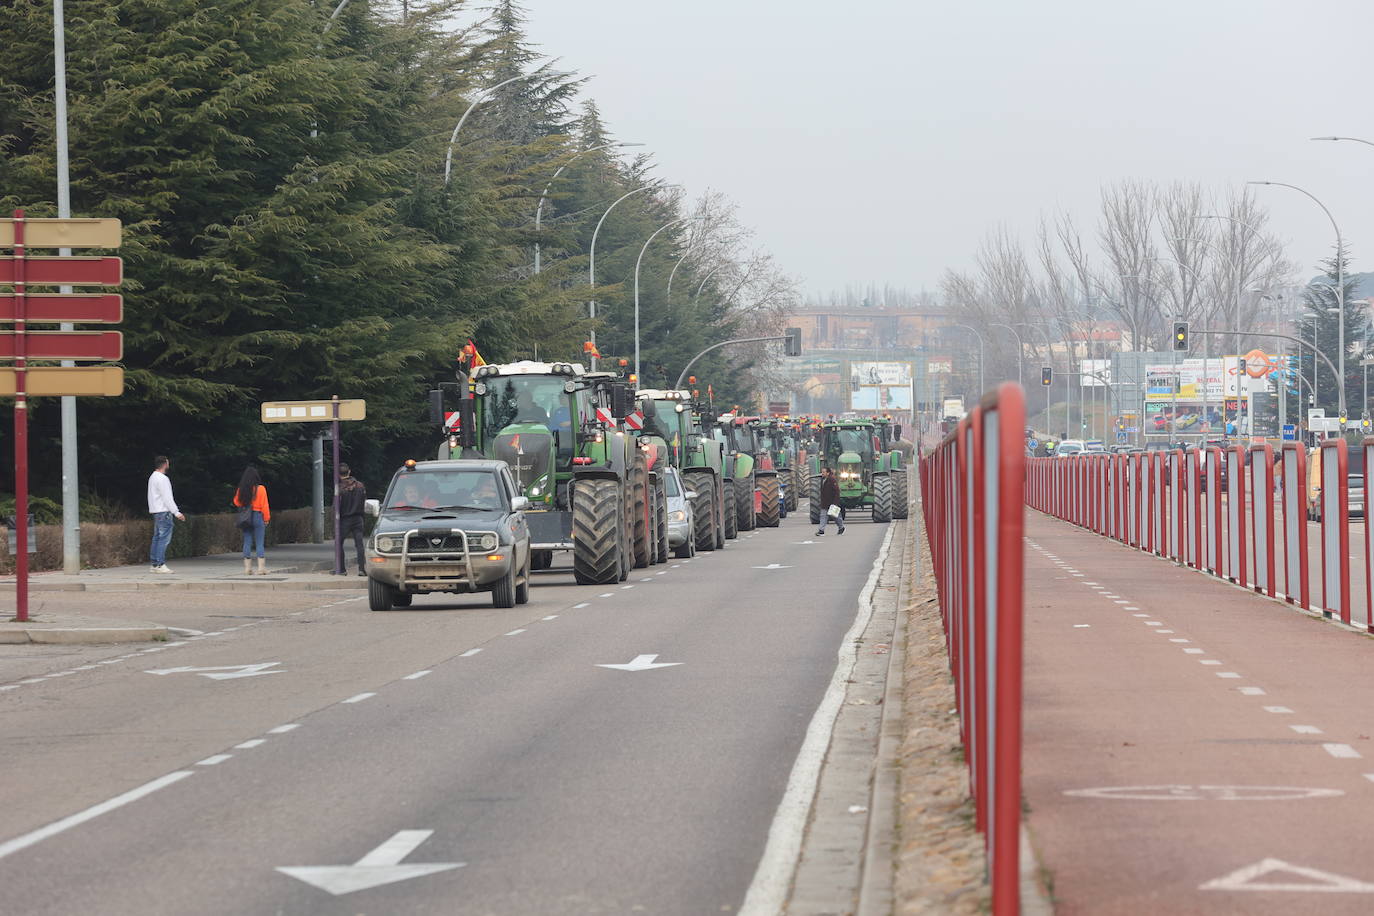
{"x": 474, "y": 489}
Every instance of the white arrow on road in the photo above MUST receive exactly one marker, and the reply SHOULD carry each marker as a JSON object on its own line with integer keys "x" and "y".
{"x": 380, "y": 866}
{"x": 222, "y": 672}
{"x": 772, "y": 566}
{"x": 642, "y": 663}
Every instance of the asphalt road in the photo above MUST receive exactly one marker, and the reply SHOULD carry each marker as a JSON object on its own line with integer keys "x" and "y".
{"x": 444, "y": 734}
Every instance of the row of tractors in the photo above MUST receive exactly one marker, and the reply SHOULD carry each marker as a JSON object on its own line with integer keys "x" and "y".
{"x": 590, "y": 453}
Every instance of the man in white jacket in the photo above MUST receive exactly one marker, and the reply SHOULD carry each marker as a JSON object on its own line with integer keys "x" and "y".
{"x": 163, "y": 508}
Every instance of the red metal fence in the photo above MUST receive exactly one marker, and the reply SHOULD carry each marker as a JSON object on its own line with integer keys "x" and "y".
{"x": 1239, "y": 513}
{"x": 973, "y": 494}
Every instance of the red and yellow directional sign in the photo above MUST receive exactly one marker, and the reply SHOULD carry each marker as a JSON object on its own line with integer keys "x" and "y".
{"x": 103, "y": 345}
{"x": 64, "y": 381}
{"x": 63, "y": 233}
{"x": 66, "y": 271}
{"x": 54, "y": 308}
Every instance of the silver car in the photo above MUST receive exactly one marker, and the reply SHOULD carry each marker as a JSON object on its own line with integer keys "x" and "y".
{"x": 449, "y": 526}
{"x": 680, "y": 519}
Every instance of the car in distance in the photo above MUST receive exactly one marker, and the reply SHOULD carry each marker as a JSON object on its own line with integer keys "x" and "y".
{"x": 1069, "y": 447}
{"x": 681, "y": 522}
{"x": 449, "y": 526}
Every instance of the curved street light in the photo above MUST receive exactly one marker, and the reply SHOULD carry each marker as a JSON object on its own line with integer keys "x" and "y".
{"x": 638, "y": 261}
{"x": 482, "y": 96}
{"x": 591, "y": 267}
{"x": 539, "y": 210}
{"x": 1340, "y": 284}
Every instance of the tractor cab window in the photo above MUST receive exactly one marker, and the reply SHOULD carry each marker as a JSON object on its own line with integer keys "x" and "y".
{"x": 849, "y": 440}
{"x": 525, "y": 399}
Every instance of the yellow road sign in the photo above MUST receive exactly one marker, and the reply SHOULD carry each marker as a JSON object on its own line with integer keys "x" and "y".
{"x": 63, "y": 233}
{"x": 77, "y": 381}
{"x": 312, "y": 411}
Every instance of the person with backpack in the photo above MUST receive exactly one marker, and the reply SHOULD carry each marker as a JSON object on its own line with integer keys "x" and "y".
{"x": 254, "y": 514}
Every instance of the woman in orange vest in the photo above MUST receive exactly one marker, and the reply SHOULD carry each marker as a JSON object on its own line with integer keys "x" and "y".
{"x": 252, "y": 495}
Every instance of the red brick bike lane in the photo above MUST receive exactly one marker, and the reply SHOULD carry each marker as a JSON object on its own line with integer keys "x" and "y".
{"x": 1190, "y": 747}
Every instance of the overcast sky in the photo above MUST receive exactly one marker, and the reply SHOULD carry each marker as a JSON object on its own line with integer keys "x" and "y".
{"x": 879, "y": 140}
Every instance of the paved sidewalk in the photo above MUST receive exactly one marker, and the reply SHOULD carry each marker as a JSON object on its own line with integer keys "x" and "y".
{"x": 1190, "y": 747}
{"x": 291, "y": 567}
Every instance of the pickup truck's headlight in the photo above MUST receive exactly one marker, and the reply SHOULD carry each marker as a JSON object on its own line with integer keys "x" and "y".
{"x": 388, "y": 544}
{"x": 481, "y": 541}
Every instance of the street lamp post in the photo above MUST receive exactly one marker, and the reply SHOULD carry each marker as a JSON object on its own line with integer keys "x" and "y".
{"x": 638, "y": 261}
{"x": 539, "y": 210}
{"x": 482, "y": 96}
{"x": 1340, "y": 286}
{"x": 1049, "y": 355}
{"x": 591, "y": 266}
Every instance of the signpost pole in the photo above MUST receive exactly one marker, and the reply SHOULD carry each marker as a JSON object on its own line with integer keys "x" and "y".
{"x": 338, "y": 537}
{"x": 21, "y": 432}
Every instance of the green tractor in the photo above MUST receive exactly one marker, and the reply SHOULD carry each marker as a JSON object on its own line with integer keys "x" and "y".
{"x": 889, "y": 437}
{"x": 743, "y": 469}
{"x": 781, "y": 438}
{"x": 673, "y": 428}
{"x": 556, "y": 426}
{"x": 853, "y": 450}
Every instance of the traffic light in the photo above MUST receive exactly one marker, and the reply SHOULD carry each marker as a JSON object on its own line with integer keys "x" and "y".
{"x": 1180, "y": 335}
{"x": 792, "y": 346}
{"x": 1046, "y": 376}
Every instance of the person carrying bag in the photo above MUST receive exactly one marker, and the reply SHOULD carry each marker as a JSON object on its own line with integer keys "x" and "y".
{"x": 253, "y": 515}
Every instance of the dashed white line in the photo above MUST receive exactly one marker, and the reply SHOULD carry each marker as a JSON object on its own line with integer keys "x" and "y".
{"x": 1252, "y": 691}
{"x": 1079, "y": 626}
{"x": 661, "y": 572}
{"x": 1306, "y": 729}
{"x": 416, "y": 676}
{"x": 623, "y": 587}
{"x": 550, "y": 617}
{"x": 211, "y": 761}
{"x": 1369, "y": 776}
{"x": 42, "y": 833}
{"x": 1227, "y": 674}
{"x": 1140, "y": 615}
{"x": 516, "y": 632}
{"x": 1281, "y": 710}
{"x": 359, "y": 697}
{"x": 1163, "y": 631}
{"x": 1341, "y": 750}
{"x": 1209, "y": 661}
{"x": 1130, "y": 607}
{"x": 1153, "y": 623}
{"x": 1180, "y": 639}
{"x": 1193, "y": 651}
{"x": 250, "y": 744}
{"x": 283, "y": 729}
{"x": 469, "y": 653}
{"x": 578, "y": 607}
{"x": 606, "y": 595}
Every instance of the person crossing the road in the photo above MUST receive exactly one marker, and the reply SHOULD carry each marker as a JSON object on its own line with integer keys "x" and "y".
{"x": 830, "y": 496}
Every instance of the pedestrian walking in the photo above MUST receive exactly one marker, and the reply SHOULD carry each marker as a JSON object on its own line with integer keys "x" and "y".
{"x": 352, "y": 496}
{"x": 254, "y": 515}
{"x": 830, "y": 496}
{"x": 163, "y": 508}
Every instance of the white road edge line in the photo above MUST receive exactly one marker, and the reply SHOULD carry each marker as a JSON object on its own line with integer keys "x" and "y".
{"x": 768, "y": 890}
{"x": 80, "y": 817}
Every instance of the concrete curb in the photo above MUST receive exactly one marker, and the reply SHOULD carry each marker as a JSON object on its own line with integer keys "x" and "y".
{"x": 72, "y": 636}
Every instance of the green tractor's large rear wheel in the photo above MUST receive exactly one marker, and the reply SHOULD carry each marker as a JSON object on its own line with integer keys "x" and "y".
{"x": 900, "y": 495}
{"x": 731, "y": 516}
{"x": 882, "y": 498}
{"x": 661, "y": 496}
{"x": 771, "y": 510}
{"x": 814, "y": 500}
{"x": 703, "y": 509}
{"x": 597, "y": 535}
{"x": 639, "y": 507}
{"x": 794, "y": 482}
{"x": 744, "y": 502}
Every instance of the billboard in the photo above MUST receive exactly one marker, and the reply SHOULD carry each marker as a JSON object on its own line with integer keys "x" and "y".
{"x": 879, "y": 386}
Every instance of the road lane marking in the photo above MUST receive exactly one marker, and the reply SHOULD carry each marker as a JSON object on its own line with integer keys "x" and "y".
{"x": 1163, "y": 631}
{"x": 66, "y": 823}
{"x": 1306, "y": 729}
{"x": 1209, "y": 661}
{"x": 551, "y": 617}
{"x": 1078, "y": 626}
{"x": 623, "y": 587}
{"x": 1243, "y": 879}
{"x": 1229, "y": 674}
{"x": 211, "y": 761}
{"x": 606, "y": 595}
{"x": 1153, "y": 623}
{"x": 1252, "y": 691}
{"x": 250, "y": 744}
{"x": 283, "y": 729}
{"x": 359, "y": 698}
{"x": 1140, "y": 615}
{"x": 1130, "y": 608}
{"x": 416, "y": 676}
{"x": 380, "y": 866}
{"x": 516, "y": 632}
{"x": 1341, "y": 750}
{"x": 1193, "y": 651}
{"x": 1180, "y": 639}
{"x": 469, "y": 653}
{"x": 1280, "y": 710}
{"x": 578, "y": 607}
